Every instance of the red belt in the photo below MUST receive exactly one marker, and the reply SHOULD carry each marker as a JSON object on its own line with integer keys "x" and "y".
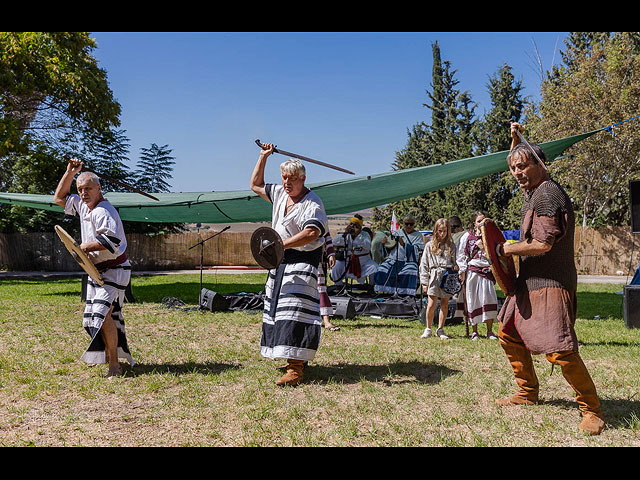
{"x": 354, "y": 265}
{"x": 106, "y": 265}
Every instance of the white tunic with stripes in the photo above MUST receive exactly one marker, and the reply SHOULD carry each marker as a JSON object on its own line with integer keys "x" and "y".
{"x": 103, "y": 224}
{"x": 291, "y": 322}
{"x": 480, "y": 292}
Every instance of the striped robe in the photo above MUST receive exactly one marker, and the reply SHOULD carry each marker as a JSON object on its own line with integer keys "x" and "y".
{"x": 406, "y": 266}
{"x": 291, "y": 321}
{"x": 480, "y": 293}
{"x": 326, "y": 308}
{"x": 99, "y": 301}
{"x": 103, "y": 224}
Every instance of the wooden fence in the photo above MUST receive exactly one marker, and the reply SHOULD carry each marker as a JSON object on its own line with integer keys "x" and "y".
{"x": 604, "y": 251}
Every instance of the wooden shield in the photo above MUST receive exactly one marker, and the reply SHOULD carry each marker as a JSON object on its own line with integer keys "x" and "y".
{"x": 78, "y": 255}
{"x": 503, "y": 268}
{"x": 267, "y": 247}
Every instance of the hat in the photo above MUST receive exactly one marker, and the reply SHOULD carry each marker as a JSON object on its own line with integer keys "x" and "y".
{"x": 356, "y": 220}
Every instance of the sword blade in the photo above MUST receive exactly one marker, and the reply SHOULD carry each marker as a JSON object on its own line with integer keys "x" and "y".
{"x": 122, "y": 184}
{"x": 67, "y": 157}
{"x": 307, "y": 159}
{"x": 524, "y": 140}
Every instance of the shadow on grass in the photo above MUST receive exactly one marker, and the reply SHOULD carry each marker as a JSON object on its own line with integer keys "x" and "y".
{"x": 603, "y": 304}
{"x": 179, "y": 368}
{"x": 391, "y": 374}
{"x": 607, "y": 343}
{"x": 188, "y": 292}
{"x": 362, "y": 324}
{"x": 618, "y": 413}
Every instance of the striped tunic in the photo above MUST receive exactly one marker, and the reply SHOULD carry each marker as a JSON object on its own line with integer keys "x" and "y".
{"x": 406, "y": 266}
{"x": 326, "y": 308}
{"x": 291, "y": 321}
{"x": 480, "y": 293}
{"x": 103, "y": 224}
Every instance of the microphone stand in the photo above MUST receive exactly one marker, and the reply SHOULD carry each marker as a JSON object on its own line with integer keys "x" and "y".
{"x": 201, "y": 243}
{"x": 347, "y": 261}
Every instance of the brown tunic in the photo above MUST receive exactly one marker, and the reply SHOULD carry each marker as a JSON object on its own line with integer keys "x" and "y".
{"x": 542, "y": 312}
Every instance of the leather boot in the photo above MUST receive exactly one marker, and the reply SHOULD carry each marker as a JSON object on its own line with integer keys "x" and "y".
{"x": 522, "y": 364}
{"x": 575, "y": 372}
{"x": 294, "y": 373}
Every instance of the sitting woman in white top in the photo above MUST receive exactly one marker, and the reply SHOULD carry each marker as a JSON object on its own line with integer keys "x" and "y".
{"x": 355, "y": 260}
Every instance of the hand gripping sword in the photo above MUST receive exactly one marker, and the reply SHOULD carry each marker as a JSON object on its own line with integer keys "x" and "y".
{"x": 295, "y": 155}
{"x": 524, "y": 140}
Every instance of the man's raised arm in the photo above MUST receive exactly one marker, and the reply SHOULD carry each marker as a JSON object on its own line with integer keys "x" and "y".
{"x": 64, "y": 186}
{"x": 257, "y": 177}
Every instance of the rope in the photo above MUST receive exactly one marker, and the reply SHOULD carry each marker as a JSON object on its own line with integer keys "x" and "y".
{"x": 610, "y": 127}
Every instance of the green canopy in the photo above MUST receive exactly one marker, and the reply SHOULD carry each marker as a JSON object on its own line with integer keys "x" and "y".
{"x": 341, "y": 196}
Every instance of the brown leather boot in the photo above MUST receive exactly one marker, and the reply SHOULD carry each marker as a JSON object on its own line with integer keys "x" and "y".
{"x": 522, "y": 364}
{"x": 575, "y": 372}
{"x": 294, "y": 373}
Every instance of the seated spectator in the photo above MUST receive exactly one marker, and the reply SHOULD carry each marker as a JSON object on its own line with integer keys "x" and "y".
{"x": 399, "y": 271}
{"x": 353, "y": 254}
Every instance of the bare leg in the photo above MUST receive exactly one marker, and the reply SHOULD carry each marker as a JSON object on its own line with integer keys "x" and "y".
{"x": 110, "y": 336}
{"x": 444, "y": 310}
{"x": 431, "y": 308}
{"x": 490, "y": 333}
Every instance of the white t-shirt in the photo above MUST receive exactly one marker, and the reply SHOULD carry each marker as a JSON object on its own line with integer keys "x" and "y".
{"x": 102, "y": 224}
{"x": 308, "y": 212}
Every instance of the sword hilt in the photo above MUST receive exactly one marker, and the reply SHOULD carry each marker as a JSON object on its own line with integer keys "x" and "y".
{"x": 275, "y": 150}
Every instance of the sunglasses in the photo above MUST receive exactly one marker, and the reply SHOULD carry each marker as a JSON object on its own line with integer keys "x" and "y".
{"x": 408, "y": 223}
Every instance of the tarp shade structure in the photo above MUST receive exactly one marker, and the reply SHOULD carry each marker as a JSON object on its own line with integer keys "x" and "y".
{"x": 340, "y": 196}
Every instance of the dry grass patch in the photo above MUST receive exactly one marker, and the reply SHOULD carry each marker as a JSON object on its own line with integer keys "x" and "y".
{"x": 200, "y": 380}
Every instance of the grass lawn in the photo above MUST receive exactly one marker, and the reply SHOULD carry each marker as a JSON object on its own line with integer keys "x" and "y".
{"x": 199, "y": 379}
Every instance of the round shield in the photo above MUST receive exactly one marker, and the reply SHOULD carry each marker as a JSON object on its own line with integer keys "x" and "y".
{"x": 267, "y": 247}
{"x": 503, "y": 268}
{"x": 78, "y": 255}
{"x": 450, "y": 282}
{"x": 390, "y": 243}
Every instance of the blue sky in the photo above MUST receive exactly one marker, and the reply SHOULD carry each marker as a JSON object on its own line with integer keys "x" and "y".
{"x": 342, "y": 98}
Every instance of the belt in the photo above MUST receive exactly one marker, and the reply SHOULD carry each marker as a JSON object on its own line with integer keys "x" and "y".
{"x": 116, "y": 262}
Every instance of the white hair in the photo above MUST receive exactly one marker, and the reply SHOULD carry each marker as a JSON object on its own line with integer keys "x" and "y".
{"x": 88, "y": 177}
{"x": 293, "y": 166}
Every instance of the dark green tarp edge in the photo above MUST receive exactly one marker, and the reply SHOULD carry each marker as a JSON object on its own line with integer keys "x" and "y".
{"x": 340, "y": 196}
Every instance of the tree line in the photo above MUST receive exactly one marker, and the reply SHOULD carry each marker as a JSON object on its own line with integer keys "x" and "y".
{"x": 596, "y": 83}
{"x": 55, "y": 100}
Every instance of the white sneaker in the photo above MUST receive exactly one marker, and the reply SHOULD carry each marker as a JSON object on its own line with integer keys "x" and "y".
{"x": 474, "y": 336}
{"x": 426, "y": 333}
{"x": 440, "y": 333}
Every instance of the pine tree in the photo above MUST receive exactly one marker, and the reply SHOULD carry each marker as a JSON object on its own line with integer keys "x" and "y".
{"x": 449, "y": 137}
{"x": 152, "y": 175}
{"x": 154, "y": 169}
{"x": 500, "y": 189}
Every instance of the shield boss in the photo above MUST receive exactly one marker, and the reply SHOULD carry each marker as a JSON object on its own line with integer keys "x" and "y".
{"x": 267, "y": 247}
